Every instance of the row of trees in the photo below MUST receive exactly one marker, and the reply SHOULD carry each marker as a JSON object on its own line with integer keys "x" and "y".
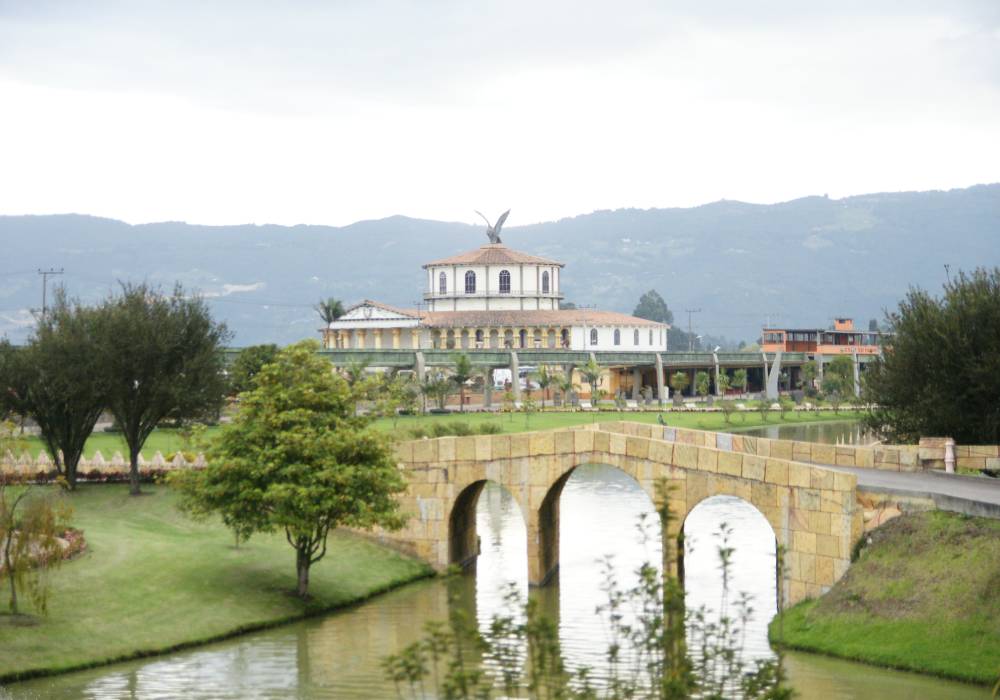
{"x": 144, "y": 355}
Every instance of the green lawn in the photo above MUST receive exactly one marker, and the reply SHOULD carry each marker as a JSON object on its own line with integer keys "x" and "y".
{"x": 167, "y": 441}
{"x": 519, "y": 422}
{"x": 924, "y": 596}
{"x": 152, "y": 580}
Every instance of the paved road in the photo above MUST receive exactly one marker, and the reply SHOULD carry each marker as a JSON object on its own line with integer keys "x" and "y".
{"x": 973, "y": 495}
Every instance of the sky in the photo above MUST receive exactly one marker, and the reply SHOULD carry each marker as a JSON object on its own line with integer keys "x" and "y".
{"x": 322, "y": 112}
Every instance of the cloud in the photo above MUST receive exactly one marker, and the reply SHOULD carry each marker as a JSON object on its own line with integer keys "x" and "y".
{"x": 228, "y": 289}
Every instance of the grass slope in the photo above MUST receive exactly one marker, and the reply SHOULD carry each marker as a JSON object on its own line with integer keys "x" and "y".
{"x": 152, "y": 580}
{"x": 168, "y": 441}
{"x": 923, "y": 596}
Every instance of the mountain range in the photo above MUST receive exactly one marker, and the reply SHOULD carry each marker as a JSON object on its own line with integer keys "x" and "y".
{"x": 798, "y": 263}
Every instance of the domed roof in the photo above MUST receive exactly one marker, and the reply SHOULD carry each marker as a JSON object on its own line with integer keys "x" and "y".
{"x": 493, "y": 254}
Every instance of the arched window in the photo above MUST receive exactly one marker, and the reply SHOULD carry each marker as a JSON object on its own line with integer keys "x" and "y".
{"x": 618, "y": 337}
{"x": 504, "y": 282}
{"x": 479, "y": 335}
{"x": 545, "y": 283}
{"x": 635, "y": 337}
{"x": 470, "y": 282}
{"x": 442, "y": 283}
{"x": 593, "y": 336}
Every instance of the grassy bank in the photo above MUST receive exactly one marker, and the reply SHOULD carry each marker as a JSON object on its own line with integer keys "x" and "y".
{"x": 152, "y": 581}
{"x": 548, "y": 420}
{"x": 167, "y": 441}
{"x": 923, "y": 596}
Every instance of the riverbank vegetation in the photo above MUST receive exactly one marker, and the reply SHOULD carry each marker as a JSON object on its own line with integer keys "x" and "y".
{"x": 940, "y": 376}
{"x": 152, "y": 580}
{"x": 923, "y": 595}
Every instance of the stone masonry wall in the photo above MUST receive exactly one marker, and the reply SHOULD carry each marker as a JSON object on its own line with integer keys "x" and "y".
{"x": 812, "y": 510}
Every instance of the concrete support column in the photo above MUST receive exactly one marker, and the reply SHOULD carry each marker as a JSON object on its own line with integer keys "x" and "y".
{"x": 395, "y": 338}
{"x": 715, "y": 361}
{"x": 662, "y": 392}
{"x": 515, "y": 380}
{"x": 636, "y": 383}
{"x": 857, "y": 375}
{"x": 488, "y": 388}
{"x": 419, "y": 368}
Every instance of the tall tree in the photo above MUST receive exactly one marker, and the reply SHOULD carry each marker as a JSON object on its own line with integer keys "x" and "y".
{"x": 545, "y": 379}
{"x": 297, "y": 459}
{"x": 462, "y": 373}
{"x": 652, "y": 307}
{"x": 679, "y": 382}
{"x": 248, "y": 363}
{"x": 740, "y": 380}
{"x": 56, "y": 381}
{"x": 161, "y": 358}
{"x": 592, "y": 374}
{"x": 838, "y": 376}
{"x": 940, "y": 371}
{"x": 329, "y": 309}
{"x": 702, "y": 383}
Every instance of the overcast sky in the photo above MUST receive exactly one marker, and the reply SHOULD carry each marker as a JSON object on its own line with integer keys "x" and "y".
{"x": 329, "y": 112}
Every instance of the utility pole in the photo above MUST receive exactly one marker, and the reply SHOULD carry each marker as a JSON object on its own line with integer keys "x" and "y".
{"x": 690, "y": 334}
{"x": 45, "y": 284}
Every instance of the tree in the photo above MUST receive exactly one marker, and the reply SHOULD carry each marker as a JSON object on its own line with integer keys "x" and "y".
{"x": 873, "y": 325}
{"x": 565, "y": 386}
{"x": 30, "y": 523}
{"x": 566, "y": 305}
{"x": 652, "y": 308}
{"x": 727, "y": 408}
{"x": 838, "y": 376}
{"x": 297, "y": 459}
{"x": 723, "y": 381}
{"x": 679, "y": 382}
{"x": 329, "y": 310}
{"x": 810, "y": 371}
{"x": 940, "y": 370}
{"x": 248, "y": 363}
{"x": 592, "y": 374}
{"x": 462, "y": 373}
{"x": 437, "y": 387}
{"x": 56, "y": 381}
{"x": 740, "y": 380}
{"x": 160, "y": 358}
{"x": 702, "y": 383}
{"x": 545, "y": 379}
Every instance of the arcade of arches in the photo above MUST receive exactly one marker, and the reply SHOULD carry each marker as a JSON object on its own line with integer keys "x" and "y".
{"x": 812, "y": 510}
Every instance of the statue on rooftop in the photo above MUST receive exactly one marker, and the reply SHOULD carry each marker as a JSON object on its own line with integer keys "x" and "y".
{"x": 493, "y": 230}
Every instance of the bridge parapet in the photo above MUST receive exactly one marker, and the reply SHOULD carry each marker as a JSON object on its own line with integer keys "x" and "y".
{"x": 811, "y": 509}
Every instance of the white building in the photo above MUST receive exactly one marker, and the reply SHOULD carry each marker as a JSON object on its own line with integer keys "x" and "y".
{"x": 492, "y": 297}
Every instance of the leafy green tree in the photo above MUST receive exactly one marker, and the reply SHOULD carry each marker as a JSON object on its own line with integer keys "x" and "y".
{"x": 838, "y": 377}
{"x": 652, "y": 307}
{"x": 763, "y": 406}
{"x": 30, "y": 524}
{"x": 160, "y": 358}
{"x": 741, "y": 380}
{"x": 437, "y": 387}
{"x": 248, "y": 363}
{"x": 809, "y": 373}
{"x": 297, "y": 459}
{"x": 940, "y": 370}
{"x": 329, "y": 309}
{"x": 702, "y": 383}
{"x": 723, "y": 381}
{"x": 727, "y": 408}
{"x": 591, "y": 372}
{"x": 545, "y": 379}
{"x": 462, "y": 373}
{"x": 679, "y": 382}
{"x": 56, "y": 381}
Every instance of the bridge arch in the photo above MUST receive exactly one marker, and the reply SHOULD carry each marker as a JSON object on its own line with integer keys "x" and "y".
{"x": 550, "y": 518}
{"x": 463, "y": 537}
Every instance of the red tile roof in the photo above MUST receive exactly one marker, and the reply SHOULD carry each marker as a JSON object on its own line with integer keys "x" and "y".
{"x": 567, "y": 317}
{"x": 493, "y": 254}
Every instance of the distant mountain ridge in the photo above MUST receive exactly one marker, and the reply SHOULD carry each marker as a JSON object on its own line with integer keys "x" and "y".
{"x": 797, "y": 263}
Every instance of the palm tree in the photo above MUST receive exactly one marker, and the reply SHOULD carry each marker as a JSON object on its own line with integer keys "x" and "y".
{"x": 592, "y": 373}
{"x": 463, "y": 373}
{"x": 329, "y": 310}
{"x": 545, "y": 380}
{"x": 565, "y": 385}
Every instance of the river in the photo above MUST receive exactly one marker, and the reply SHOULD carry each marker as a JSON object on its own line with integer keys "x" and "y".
{"x": 337, "y": 656}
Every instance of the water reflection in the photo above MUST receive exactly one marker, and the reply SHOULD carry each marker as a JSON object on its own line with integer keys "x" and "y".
{"x": 338, "y": 656}
{"x": 830, "y": 432}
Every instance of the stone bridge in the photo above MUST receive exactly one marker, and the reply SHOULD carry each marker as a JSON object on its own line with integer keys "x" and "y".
{"x": 811, "y": 509}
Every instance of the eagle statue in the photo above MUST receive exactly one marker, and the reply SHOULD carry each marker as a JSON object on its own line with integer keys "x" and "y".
{"x": 493, "y": 230}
